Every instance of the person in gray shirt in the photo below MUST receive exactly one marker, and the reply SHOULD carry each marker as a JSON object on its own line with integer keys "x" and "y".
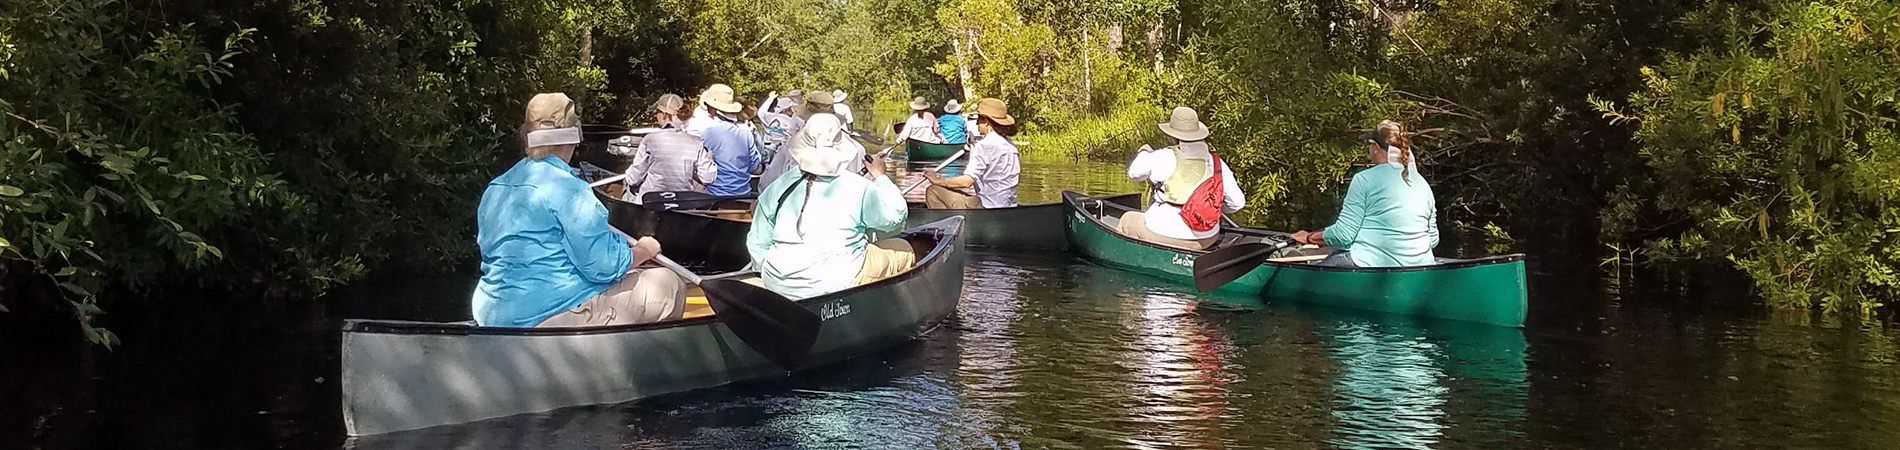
{"x": 669, "y": 159}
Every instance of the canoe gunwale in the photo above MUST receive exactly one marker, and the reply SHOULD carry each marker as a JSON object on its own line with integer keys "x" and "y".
{"x": 943, "y": 231}
{"x": 1056, "y": 204}
{"x": 1075, "y": 202}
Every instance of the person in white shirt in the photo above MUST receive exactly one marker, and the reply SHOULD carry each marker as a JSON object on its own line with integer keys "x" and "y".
{"x": 922, "y": 126}
{"x": 993, "y": 171}
{"x": 842, "y": 110}
{"x": 1175, "y": 172}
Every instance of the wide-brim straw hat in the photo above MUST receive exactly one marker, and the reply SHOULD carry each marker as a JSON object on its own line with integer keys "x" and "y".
{"x": 996, "y": 110}
{"x": 721, "y": 97}
{"x": 918, "y": 104}
{"x": 1184, "y": 124}
{"x": 952, "y": 107}
{"x": 837, "y": 95}
{"x": 819, "y": 147}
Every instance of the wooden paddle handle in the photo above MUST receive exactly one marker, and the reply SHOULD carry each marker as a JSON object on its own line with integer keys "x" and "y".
{"x": 940, "y": 166}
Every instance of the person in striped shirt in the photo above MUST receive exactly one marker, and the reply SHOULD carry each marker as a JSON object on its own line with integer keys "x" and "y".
{"x": 669, "y": 159}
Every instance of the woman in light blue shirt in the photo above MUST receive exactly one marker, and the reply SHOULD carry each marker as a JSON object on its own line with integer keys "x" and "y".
{"x": 549, "y": 258}
{"x": 811, "y": 229}
{"x": 1390, "y": 218}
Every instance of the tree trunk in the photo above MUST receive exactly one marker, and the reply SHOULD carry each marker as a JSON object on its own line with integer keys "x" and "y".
{"x": 1088, "y": 72}
{"x": 963, "y": 69}
{"x": 1154, "y": 44}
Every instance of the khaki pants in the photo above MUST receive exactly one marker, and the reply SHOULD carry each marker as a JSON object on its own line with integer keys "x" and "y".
{"x": 885, "y": 259}
{"x": 1135, "y": 225}
{"x": 939, "y": 197}
{"x": 650, "y": 295}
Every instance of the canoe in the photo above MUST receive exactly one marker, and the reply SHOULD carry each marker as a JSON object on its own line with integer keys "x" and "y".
{"x": 925, "y": 151}
{"x": 1486, "y": 290}
{"x": 1026, "y": 227}
{"x": 704, "y": 240}
{"x": 400, "y": 375}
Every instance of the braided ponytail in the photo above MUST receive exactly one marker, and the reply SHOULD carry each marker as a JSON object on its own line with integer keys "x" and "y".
{"x": 1396, "y": 137}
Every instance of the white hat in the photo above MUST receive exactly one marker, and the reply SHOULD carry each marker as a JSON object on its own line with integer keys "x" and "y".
{"x": 1185, "y": 124}
{"x": 819, "y": 147}
{"x": 953, "y": 107}
{"x": 837, "y": 95}
{"x": 919, "y": 104}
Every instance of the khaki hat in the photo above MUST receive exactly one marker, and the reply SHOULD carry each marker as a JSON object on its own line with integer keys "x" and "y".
{"x": 996, "y": 110}
{"x": 952, "y": 107}
{"x": 670, "y": 104}
{"x": 1185, "y": 124}
{"x": 819, "y": 147}
{"x": 552, "y": 119}
{"x": 720, "y": 97}
{"x": 918, "y": 104}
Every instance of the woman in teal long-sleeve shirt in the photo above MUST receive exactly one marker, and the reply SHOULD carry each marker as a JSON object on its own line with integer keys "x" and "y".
{"x": 1390, "y": 218}
{"x": 549, "y": 258}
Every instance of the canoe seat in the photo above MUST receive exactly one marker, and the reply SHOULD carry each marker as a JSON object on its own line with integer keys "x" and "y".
{"x": 696, "y": 305}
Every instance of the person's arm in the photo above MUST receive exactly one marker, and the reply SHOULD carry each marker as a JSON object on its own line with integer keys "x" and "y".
{"x": 705, "y": 169}
{"x": 1230, "y": 189}
{"x": 884, "y": 207}
{"x": 1351, "y": 217}
{"x": 758, "y": 238}
{"x": 642, "y": 162}
{"x": 767, "y": 105}
{"x": 1431, "y": 218}
{"x": 1152, "y": 166}
{"x": 599, "y": 254}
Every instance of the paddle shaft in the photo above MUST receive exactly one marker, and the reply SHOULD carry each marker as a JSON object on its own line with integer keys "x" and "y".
{"x": 940, "y": 166}
{"x": 1231, "y": 262}
{"x": 607, "y": 181}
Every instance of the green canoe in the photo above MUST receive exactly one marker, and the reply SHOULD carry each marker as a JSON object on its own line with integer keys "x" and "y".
{"x": 1485, "y": 290}
{"x": 1025, "y": 227}
{"x": 924, "y": 151}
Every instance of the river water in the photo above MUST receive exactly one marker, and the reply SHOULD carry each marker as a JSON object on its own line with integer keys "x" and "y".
{"x": 1050, "y": 351}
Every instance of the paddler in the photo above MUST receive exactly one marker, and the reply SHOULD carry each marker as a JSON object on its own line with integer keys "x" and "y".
{"x": 811, "y": 228}
{"x": 670, "y": 159}
{"x": 1176, "y": 173}
{"x": 730, "y": 144}
{"x": 952, "y": 126}
{"x": 993, "y": 169}
{"x": 922, "y": 125}
{"x": 549, "y": 258}
{"x": 841, "y": 109}
{"x": 1390, "y": 217}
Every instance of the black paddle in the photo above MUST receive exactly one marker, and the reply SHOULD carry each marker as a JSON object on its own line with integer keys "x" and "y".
{"x": 779, "y": 329}
{"x": 865, "y": 136}
{"x": 671, "y": 200}
{"x": 1223, "y": 266}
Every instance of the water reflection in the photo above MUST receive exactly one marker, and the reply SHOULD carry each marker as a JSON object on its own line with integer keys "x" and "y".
{"x": 1398, "y": 380}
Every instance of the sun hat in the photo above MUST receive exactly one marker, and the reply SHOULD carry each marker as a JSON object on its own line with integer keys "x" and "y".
{"x": 996, "y": 110}
{"x": 670, "y": 104}
{"x": 720, "y": 97}
{"x": 819, "y": 147}
{"x": 552, "y": 119}
{"x": 788, "y": 102}
{"x": 1184, "y": 124}
{"x": 952, "y": 107}
{"x": 837, "y": 95}
{"x": 918, "y": 104}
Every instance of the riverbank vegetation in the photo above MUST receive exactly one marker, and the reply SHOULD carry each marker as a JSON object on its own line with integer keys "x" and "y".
{"x": 283, "y": 147}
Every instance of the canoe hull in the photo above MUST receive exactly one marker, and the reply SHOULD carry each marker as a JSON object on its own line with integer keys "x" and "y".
{"x": 1028, "y": 227}
{"x": 401, "y": 376}
{"x": 925, "y": 151}
{"x": 706, "y": 244}
{"x": 1486, "y": 290}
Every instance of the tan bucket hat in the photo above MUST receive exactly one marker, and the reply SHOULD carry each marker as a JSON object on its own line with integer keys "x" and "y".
{"x": 919, "y": 104}
{"x": 819, "y": 147}
{"x": 996, "y": 110}
{"x": 1185, "y": 124}
{"x": 720, "y": 97}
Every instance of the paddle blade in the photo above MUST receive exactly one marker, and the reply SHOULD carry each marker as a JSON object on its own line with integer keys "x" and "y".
{"x": 675, "y": 200}
{"x": 1219, "y": 267}
{"x": 776, "y": 327}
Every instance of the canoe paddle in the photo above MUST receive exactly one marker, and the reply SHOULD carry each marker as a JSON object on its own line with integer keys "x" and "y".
{"x": 671, "y": 200}
{"x": 607, "y": 181}
{"x": 1219, "y": 267}
{"x": 779, "y": 329}
{"x": 940, "y": 166}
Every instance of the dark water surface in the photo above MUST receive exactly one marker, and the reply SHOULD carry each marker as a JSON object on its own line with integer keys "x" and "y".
{"x": 1048, "y": 351}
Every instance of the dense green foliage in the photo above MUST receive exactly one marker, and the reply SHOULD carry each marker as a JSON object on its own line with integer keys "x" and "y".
{"x": 285, "y": 146}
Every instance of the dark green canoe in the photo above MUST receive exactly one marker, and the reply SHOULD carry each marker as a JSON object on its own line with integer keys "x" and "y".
{"x": 925, "y": 151}
{"x": 705, "y": 240}
{"x": 1026, "y": 227}
{"x": 1486, "y": 290}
